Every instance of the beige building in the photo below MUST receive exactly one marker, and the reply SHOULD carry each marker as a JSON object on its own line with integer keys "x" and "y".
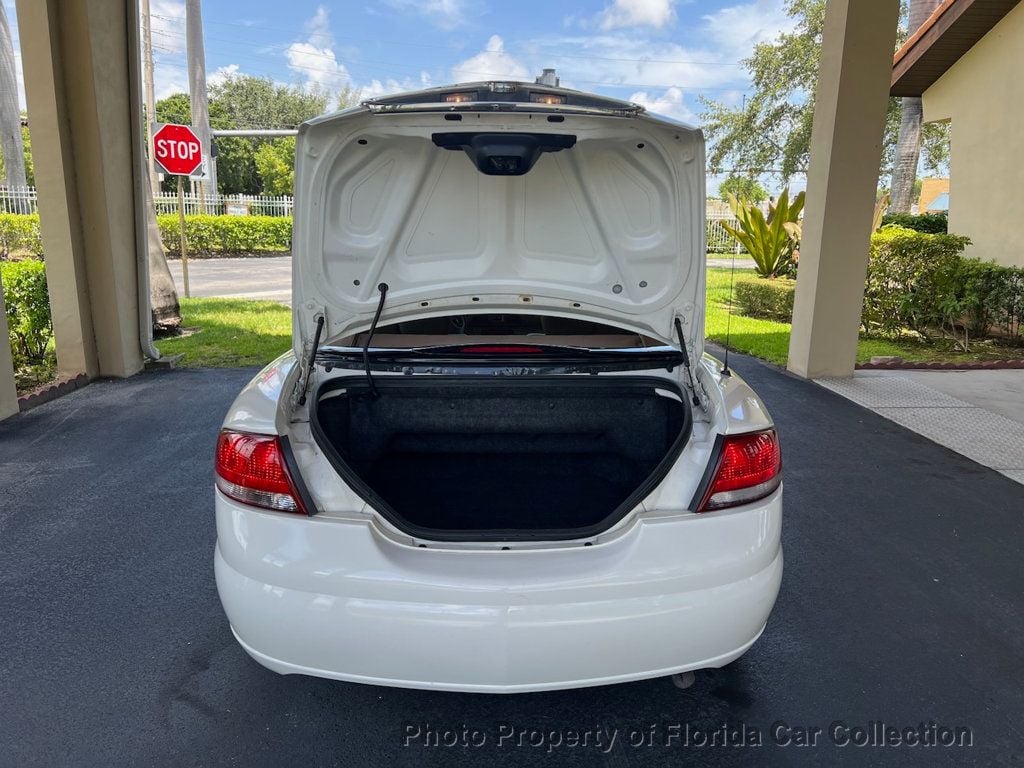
{"x": 932, "y": 191}
{"x": 967, "y": 63}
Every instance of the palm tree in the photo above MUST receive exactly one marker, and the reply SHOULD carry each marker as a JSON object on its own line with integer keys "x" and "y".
{"x": 908, "y": 142}
{"x": 10, "y": 116}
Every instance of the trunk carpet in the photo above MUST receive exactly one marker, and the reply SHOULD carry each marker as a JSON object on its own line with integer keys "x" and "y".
{"x": 504, "y": 491}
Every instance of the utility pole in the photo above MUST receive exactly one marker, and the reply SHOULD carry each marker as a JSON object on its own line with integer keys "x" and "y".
{"x": 10, "y": 116}
{"x": 147, "y": 75}
{"x": 197, "y": 86}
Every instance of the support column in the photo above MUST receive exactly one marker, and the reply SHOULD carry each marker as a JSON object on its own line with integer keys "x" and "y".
{"x": 846, "y": 153}
{"x": 75, "y": 58}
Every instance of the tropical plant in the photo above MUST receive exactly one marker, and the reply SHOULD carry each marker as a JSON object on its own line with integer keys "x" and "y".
{"x": 880, "y": 205}
{"x": 769, "y": 241}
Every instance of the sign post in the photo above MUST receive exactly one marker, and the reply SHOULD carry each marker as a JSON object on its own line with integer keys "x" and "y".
{"x": 181, "y": 234}
{"x": 178, "y": 151}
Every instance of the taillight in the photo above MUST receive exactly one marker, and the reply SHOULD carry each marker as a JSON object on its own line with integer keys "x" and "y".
{"x": 251, "y": 469}
{"x": 749, "y": 468}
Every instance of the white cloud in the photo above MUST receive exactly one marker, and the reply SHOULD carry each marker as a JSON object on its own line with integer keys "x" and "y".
{"x": 492, "y": 62}
{"x": 739, "y": 28}
{"x": 446, "y": 14}
{"x": 638, "y": 13}
{"x": 167, "y": 24}
{"x": 314, "y": 58}
{"x": 221, "y": 74}
{"x": 670, "y": 103}
{"x": 377, "y": 88}
{"x": 648, "y": 62}
{"x": 168, "y": 79}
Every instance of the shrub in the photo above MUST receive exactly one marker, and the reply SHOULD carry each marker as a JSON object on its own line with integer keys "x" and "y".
{"x": 931, "y": 223}
{"x": 770, "y": 242}
{"x": 226, "y": 234}
{"x": 19, "y": 233}
{"x": 772, "y": 299}
{"x": 992, "y": 296}
{"x": 912, "y": 281}
{"x": 28, "y": 309}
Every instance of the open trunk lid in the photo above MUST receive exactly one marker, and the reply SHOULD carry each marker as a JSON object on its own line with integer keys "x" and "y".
{"x": 607, "y": 225}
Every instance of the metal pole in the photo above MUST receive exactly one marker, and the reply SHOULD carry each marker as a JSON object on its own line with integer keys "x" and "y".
{"x": 184, "y": 243}
{"x": 147, "y": 69}
{"x": 196, "y": 56}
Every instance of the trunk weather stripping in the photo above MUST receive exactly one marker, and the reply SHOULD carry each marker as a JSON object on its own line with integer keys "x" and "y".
{"x": 524, "y": 358}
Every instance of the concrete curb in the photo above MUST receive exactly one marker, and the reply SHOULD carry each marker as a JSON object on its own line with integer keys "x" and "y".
{"x": 51, "y": 391}
{"x": 987, "y": 365}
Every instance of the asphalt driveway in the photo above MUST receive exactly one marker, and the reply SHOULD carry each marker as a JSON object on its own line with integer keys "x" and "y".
{"x": 901, "y": 604}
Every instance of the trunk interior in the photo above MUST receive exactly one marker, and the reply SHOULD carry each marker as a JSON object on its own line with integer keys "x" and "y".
{"x": 472, "y": 458}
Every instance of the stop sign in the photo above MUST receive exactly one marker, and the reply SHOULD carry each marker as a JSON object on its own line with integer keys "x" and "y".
{"x": 177, "y": 149}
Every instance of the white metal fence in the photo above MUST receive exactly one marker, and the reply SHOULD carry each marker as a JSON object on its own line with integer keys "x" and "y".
{"x": 23, "y": 200}
{"x": 720, "y": 241}
{"x": 241, "y": 205}
{"x": 17, "y": 199}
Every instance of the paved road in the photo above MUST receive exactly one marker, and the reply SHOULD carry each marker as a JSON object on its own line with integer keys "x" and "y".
{"x": 270, "y": 277}
{"x": 901, "y": 603}
{"x": 257, "y": 277}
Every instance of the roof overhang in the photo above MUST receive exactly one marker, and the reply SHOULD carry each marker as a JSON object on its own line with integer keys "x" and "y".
{"x": 951, "y": 31}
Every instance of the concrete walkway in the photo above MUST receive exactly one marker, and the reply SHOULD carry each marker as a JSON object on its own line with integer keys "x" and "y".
{"x": 979, "y": 414}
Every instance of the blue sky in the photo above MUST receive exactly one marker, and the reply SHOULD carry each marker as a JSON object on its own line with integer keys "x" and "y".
{"x": 661, "y": 53}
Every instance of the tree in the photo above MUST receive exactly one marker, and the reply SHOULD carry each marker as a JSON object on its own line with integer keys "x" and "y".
{"x": 243, "y": 101}
{"x": 908, "y": 142}
{"x": 275, "y": 163}
{"x": 26, "y": 143}
{"x": 11, "y": 148}
{"x": 743, "y": 188}
{"x": 771, "y": 131}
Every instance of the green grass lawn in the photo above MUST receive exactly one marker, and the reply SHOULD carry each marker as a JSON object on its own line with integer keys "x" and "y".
{"x": 224, "y": 333}
{"x": 235, "y": 332}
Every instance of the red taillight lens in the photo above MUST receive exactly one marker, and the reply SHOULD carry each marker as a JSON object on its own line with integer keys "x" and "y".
{"x": 749, "y": 469}
{"x": 251, "y": 469}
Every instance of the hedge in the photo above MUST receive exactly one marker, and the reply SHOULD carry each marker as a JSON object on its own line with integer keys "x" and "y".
{"x": 28, "y": 309}
{"x": 931, "y": 223}
{"x": 19, "y": 233}
{"x": 991, "y": 297}
{"x": 913, "y": 281}
{"x": 226, "y": 234}
{"x": 772, "y": 299}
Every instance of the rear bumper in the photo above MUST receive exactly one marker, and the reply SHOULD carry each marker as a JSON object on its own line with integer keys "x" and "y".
{"x": 337, "y": 599}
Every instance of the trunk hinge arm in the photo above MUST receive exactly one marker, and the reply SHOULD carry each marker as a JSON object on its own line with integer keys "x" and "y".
{"x": 308, "y": 362}
{"x": 687, "y": 363}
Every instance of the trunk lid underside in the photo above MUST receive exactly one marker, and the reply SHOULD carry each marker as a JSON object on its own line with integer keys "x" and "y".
{"x": 609, "y": 229}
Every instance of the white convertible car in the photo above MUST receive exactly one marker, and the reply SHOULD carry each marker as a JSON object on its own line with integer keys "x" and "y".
{"x": 497, "y": 458}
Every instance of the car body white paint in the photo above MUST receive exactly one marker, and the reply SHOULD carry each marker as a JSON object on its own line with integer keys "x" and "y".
{"x": 344, "y": 594}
